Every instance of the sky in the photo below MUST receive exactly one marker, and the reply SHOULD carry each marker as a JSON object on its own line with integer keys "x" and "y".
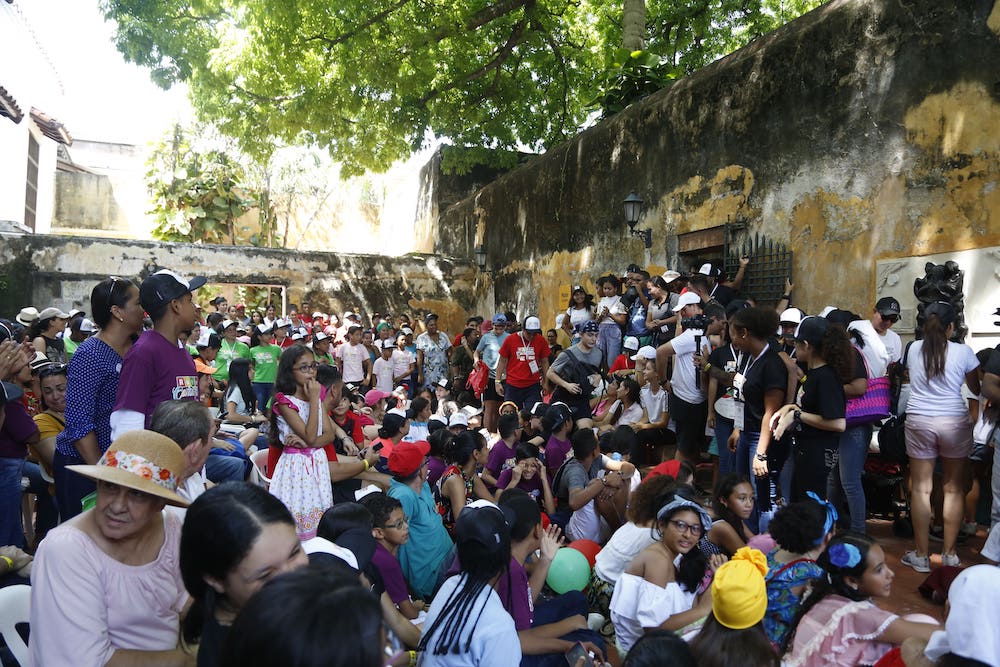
{"x": 106, "y": 98}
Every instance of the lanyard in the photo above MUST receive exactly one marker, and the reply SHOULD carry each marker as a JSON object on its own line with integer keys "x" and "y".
{"x": 754, "y": 360}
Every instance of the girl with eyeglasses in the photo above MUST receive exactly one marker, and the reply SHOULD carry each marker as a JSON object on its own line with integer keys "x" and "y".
{"x": 300, "y": 474}
{"x": 91, "y": 388}
{"x": 653, "y": 592}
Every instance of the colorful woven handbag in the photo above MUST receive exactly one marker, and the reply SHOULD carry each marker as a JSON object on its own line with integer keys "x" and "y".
{"x": 873, "y": 406}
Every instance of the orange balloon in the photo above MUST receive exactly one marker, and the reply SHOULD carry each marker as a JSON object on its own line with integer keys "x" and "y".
{"x": 588, "y": 548}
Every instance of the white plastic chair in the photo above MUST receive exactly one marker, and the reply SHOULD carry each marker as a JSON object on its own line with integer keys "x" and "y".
{"x": 258, "y": 474}
{"x": 15, "y": 608}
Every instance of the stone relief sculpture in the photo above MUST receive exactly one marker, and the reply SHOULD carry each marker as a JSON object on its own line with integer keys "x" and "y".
{"x": 942, "y": 282}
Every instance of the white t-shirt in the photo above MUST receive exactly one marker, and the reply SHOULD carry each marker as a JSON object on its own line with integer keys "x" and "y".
{"x": 401, "y": 360}
{"x": 579, "y": 315}
{"x": 623, "y": 546}
{"x": 382, "y": 370}
{"x": 193, "y": 487}
{"x": 613, "y": 304}
{"x": 630, "y": 415}
{"x": 353, "y": 358}
{"x": 893, "y": 345}
{"x": 655, "y": 404}
{"x": 683, "y": 380}
{"x": 942, "y": 395}
{"x": 494, "y": 637}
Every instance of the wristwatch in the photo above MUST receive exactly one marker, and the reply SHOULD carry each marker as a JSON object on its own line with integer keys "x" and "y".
{"x": 797, "y": 416}
{"x": 761, "y": 457}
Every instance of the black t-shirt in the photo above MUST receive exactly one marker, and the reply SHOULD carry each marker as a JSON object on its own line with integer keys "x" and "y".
{"x": 821, "y": 393}
{"x": 766, "y": 373}
{"x": 723, "y": 358}
{"x": 860, "y": 370}
{"x": 992, "y": 364}
{"x": 723, "y": 294}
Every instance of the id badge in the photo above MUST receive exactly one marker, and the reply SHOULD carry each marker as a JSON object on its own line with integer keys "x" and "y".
{"x": 533, "y": 365}
{"x": 739, "y": 418}
{"x": 738, "y": 381}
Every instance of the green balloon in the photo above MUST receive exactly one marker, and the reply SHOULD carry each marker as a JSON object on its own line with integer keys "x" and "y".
{"x": 570, "y": 571}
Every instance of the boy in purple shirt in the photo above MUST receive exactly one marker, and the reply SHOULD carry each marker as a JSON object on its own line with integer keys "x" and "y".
{"x": 158, "y": 367}
{"x": 391, "y": 531}
{"x": 502, "y": 455}
{"x": 547, "y": 631}
{"x": 559, "y": 422}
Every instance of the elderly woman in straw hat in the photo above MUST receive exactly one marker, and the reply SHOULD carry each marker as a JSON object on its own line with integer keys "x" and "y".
{"x": 107, "y": 587}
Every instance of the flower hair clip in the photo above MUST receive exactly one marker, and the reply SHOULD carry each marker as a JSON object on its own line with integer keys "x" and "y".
{"x": 844, "y": 555}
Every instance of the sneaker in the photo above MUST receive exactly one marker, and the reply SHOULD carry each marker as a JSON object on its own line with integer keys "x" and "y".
{"x": 950, "y": 560}
{"x": 918, "y": 563}
{"x": 968, "y": 529}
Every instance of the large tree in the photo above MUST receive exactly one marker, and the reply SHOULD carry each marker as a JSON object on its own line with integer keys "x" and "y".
{"x": 371, "y": 80}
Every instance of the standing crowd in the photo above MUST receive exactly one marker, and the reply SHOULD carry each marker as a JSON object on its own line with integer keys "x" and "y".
{"x": 244, "y": 487}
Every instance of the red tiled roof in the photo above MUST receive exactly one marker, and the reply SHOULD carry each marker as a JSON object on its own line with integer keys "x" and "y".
{"x": 8, "y": 106}
{"x": 51, "y": 127}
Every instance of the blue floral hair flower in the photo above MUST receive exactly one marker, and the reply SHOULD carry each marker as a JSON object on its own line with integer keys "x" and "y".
{"x": 844, "y": 555}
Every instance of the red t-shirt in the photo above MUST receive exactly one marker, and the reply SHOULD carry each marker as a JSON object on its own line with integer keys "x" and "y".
{"x": 622, "y": 363}
{"x": 521, "y": 355}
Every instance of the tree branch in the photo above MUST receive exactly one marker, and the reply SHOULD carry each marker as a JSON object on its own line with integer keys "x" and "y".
{"x": 343, "y": 37}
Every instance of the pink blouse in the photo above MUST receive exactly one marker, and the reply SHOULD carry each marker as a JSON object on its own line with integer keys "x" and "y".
{"x": 85, "y": 605}
{"x": 840, "y": 632}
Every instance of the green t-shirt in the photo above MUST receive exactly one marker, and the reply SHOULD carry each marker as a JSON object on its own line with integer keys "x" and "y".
{"x": 265, "y": 363}
{"x": 324, "y": 358}
{"x": 227, "y": 353}
{"x": 70, "y": 346}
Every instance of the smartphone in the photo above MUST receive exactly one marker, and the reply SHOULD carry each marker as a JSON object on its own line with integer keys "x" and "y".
{"x": 578, "y": 651}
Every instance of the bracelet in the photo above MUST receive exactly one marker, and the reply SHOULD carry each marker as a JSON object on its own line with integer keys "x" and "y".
{"x": 367, "y": 465}
{"x": 9, "y": 561}
{"x": 708, "y": 367}
{"x": 786, "y": 296}
{"x": 413, "y": 659}
{"x": 797, "y": 416}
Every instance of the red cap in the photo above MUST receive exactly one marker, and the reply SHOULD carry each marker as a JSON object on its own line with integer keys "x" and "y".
{"x": 407, "y": 457}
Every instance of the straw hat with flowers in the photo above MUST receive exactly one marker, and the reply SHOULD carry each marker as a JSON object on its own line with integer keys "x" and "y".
{"x": 141, "y": 460}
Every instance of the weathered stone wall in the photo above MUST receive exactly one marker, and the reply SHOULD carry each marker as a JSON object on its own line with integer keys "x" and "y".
{"x": 865, "y": 130}
{"x": 60, "y": 270}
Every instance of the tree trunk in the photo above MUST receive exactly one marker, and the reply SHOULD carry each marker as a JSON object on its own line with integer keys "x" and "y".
{"x": 633, "y": 24}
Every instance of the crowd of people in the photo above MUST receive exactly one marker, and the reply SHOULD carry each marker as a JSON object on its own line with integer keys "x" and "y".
{"x": 243, "y": 487}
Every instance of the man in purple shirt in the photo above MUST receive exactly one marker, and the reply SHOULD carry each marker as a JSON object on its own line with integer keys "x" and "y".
{"x": 549, "y": 630}
{"x": 158, "y": 367}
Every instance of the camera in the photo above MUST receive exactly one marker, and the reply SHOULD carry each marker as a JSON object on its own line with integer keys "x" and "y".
{"x": 700, "y": 322}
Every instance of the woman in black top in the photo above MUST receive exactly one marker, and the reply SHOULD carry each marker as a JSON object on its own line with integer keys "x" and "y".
{"x": 817, "y": 418}
{"x": 760, "y": 385}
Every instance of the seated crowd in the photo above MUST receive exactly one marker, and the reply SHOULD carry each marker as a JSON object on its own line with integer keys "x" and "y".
{"x": 256, "y": 488}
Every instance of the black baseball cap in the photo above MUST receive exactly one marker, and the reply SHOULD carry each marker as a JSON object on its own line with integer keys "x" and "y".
{"x": 164, "y": 286}
{"x": 887, "y": 305}
{"x": 811, "y": 330}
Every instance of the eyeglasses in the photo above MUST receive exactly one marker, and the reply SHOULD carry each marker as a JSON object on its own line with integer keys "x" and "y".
{"x": 305, "y": 368}
{"x": 890, "y": 318}
{"x": 399, "y": 524}
{"x": 685, "y": 527}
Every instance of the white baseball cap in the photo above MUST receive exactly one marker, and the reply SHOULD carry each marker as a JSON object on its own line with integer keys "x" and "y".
{"x": 793, "y": 315}
{"x": 687, "y": 299}
{"x": 533, "y": 324}
{"x": 645, "y": 352}
{"x": 631, "y": 343}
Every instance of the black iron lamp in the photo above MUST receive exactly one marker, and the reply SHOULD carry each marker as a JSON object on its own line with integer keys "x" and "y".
{"x": 633, "y": 207}
{"x": 480, "y": 252}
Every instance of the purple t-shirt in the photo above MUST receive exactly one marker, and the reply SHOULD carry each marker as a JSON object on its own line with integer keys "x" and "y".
{"x": 17, "y": 427}
{"x": 392, "y": 574}
{"x": 501, "y": 457}
{"x": 435, "y": 468}
{"x": 555, "y": 454}
{"x": 533, "y": 486}
{"x": 517, "y": 599}
{"x": 155, "y": 370}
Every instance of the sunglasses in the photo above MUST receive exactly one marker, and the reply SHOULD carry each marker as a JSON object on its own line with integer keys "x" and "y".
{"x": 890, "y": 318}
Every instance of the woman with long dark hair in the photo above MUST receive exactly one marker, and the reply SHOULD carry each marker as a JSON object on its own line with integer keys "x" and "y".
{"x": 580, "y": 308}
{"x": 760, "y": 383}
{"x": 235, "y": 538}
{"x": 92, "y": 386}
{"x": 818, "y": 416}
{"x": 241, "y": 400}
{"x": 938, "y": 426}
{"x": 838, "y": 624}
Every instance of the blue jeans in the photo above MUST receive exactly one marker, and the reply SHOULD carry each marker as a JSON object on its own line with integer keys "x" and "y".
{"x": 11, "y": 528}
{"x": 727, "y": 459}
{"x": 609, "y": 341}
{"x": 568, "y": 604}
{"x": 845, "y": 477}
{"x": 767, "y": 489}
{"x": 263, "y": 390}
{"x": 226, "y": 468}
{"x": 71, "y": 488}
